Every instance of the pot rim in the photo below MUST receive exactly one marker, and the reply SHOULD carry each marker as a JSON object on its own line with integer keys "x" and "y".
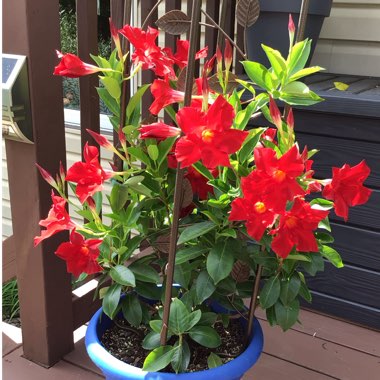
{"x": 109, "y": 364}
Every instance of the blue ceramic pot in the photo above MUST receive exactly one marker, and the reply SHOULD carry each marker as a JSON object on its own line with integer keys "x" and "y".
{"x": 115, "y": 369}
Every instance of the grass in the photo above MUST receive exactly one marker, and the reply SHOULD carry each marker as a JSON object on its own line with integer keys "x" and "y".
{"x": 11, "y": 305}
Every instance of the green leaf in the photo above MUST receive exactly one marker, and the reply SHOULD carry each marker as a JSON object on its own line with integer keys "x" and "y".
{"x": 181, "y": 357}
{"x": 246, "y": 151}
{"x": 298, "y": 56}
{"x": 158, "y": 359}
{"x": 341, "y": 86}
{"x": 242, "y": 118}
{"x": 194, "y": 231}
{"x": 324, "y": 237}
{"x": 203, "y": 170}
{"x": 193, "y": 319}
{"x": 151, "y": 341}
{"x": 164, "y": 148}
{"x": 220, "y": 260}
{"x": 270, "y": 292}
{"x": 208, "y": 318}
{"x": 189, "y": 253}
{"x": 322, "y": 203}
{"x": 109, "y": 101}
{"x": 156, "y": 325}
{"x": 179, "y": 317}
{"x": 140, "y": 155}
{"x": 315, "y": 265}
{"x": 290, "y": 289}
{"x": 153, "y": 152}
{"x": 148, "y": 290}
{"x": 305, "y": 72}
{"x": 123, "y": 275}
{"x": 271, "y": 316}
{"x": 332, "y": 255}
{"x": 119, "y": 196}
{"x": 304, "y": 291}
{"x": 214, "y": 361}
{"x": 135, "y": 100}
{"x": 286, "y": 316}
{"x": 298, "y": 257}
{"x": 276, "y": 60}
{"x": 144, "y": 272}
{"x": 325, "y": 224}
{"x": 111, "y": 300}
{"x": 112, "y": 86}
{"x": 205, "y": 336}
{"x": 306, "y": 98}
{"x": 182, "y": 274}
{"x": 204, "y": 287}
{"x": 258, "y": 74}
{"x": 131, "y": 308}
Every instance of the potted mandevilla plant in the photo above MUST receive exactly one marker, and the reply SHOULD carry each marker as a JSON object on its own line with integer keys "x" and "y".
{"x": 250, "y": 216}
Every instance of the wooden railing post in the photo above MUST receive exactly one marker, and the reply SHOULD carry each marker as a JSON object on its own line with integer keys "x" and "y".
{"x": 31, "y": 28}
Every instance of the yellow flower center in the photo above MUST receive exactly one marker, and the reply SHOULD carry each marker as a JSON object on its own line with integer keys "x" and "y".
{"x": 279, "y": 175}
{"x": 291, "y": 222}
{"x": 207, "y": 135}
{"x": 84, "y": 251}
{"x": 260, "y": 207}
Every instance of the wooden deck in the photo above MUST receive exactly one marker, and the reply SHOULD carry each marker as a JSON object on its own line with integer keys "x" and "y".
{"x": 322, "y": 348}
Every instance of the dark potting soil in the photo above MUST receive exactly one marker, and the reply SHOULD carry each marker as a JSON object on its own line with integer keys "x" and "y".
{"x": 124, "y": 343}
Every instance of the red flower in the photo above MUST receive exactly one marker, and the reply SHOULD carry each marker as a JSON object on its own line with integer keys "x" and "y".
{"x": 147, "y": 52}
{"x": 80, "y": 254}
{"x": 209, "y": 136}
{"x": 158, "y": 131}
{"x": 346, "y": 188}
{"x": 296, "y": 229}
{"x": 276, "y": 177}
{"x": 163, "y": 95}
{"x": 88, "y": 175}
{"x": 181, "y": 55}
{"x": 257, "y": 214}
{"x": 72, "y": 66}
{"x": 58, "y": 219}
{"x": 199, "y": 182}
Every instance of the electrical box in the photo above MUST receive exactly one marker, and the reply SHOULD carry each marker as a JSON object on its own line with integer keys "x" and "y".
{"x": 16, "y": 117}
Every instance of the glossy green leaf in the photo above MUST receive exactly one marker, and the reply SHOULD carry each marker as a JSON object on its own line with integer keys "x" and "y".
{"x": 204, "y": 287}
{"x": 203, "y": 170}
{"x": 286, "y": 316}
{"x": 214, "y": 361}
{"x": 181, "y": 357}
{"x": 109, "y": 101}
{"x": 135, "y": 100}
{"x": 298, "y": 257}
{"x": 151, "y": 341}
{"x": 194, "y": 231}
{"x": 119, "y": 196}
{"x": 304, "y": 292}
{"x": 189, "y": 253}
{"x": 258, "y": 74}
{"x": 153, "y": 152}
{"x": 111, "y": 300}
{"x": 305, "y": 72}
{"x": 122, "y": 275}
{"x": 298, "y": 56}
{"x": 159, "y": 358}
{"x": 208, "y": 318}
{"x": 290, "y": 289}
{"x": 270, "y": 292}
{"x": 164, "y": 148}
{"x": 182, "y": 274}
{"x": 112, "y": 86}
{"x": 271, "y": 316}
{"x": 139, "y": 154}
{"x": 205, "y": 336}
{"x": 315, "y": 265}
{"x": 276, "y": 60}
{"x": 220, "y": 260}
{"x": 145, "y": 273}
{"x": 131, "y": 308}
{"x": 332, "y": 255}
{"x": 179, "y": 317}
{"x": 246, "y": 151}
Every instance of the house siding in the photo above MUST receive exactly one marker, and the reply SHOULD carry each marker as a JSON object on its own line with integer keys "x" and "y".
{"x": 349, "y": 42}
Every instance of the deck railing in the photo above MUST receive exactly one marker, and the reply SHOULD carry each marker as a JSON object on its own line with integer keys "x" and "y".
{"x": 49, "y": 310}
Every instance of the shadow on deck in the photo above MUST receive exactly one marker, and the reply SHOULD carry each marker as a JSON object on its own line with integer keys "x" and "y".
{"x": 322, "y": 348}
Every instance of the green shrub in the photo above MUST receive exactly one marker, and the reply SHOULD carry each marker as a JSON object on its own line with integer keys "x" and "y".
{"x": 11, "y": 305}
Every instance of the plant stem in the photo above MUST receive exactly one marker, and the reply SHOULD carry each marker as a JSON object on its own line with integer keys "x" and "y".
{"x": 252, "y": 306}
{"x": 225, "y": 34}
{"x": 194, "y": 35}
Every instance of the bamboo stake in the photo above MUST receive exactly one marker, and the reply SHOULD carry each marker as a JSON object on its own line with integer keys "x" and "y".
{"x": 194, "y": 36}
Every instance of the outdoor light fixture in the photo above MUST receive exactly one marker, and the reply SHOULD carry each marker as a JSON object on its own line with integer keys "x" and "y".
{"x": 17, "y": 117}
